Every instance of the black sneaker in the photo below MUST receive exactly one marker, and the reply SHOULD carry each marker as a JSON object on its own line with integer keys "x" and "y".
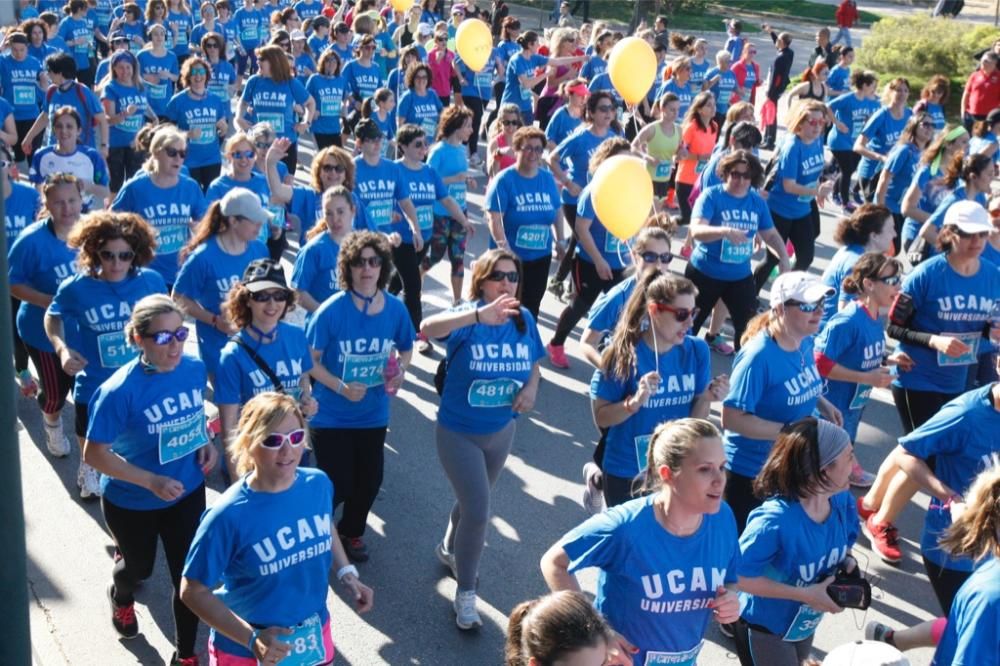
{"x": 122, "y": 617}
{"x": 355, "y": 549}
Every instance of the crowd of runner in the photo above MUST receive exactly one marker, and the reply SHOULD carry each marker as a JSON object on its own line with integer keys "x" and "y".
{"x": 237, "y": 161}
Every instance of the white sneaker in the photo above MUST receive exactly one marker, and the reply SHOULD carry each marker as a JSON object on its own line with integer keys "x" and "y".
{"x": 466, "y": 616}
{"x": 55, "y": 440}
{"x": 89, "y": 481}
{"x": 447, "y": 559}
{"x": 593, "y": 498}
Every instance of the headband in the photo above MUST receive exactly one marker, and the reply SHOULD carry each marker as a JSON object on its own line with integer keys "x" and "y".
{"x": 832, "y": 441}
{"x": 949, "y": 137}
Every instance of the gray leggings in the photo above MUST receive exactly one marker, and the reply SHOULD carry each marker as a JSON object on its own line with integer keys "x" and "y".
{"x": 473, "y": 463}
{"x": 756, "y": 648}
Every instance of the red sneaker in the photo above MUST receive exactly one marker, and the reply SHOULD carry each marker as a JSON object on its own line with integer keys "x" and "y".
{"x": 884, "y": 539}
{"x": 864, "y": 513}
{"x": 557, "y": 356}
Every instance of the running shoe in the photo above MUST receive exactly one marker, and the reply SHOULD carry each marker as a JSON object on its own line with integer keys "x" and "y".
{"x": 671, "y": 200}
{"x": 355, "y": 549}
{"x": 424, "y": 345}
{"x": 55, "y": 440}
{"x": 876, "y": 631}
{"x": 860, "y": 478}
{"x": 27, "y": 384}
{"x": 89, "y": 481}
{"x": 720, "y": 346}
{"x": 835, "y": 197}
{"x": 475, "y": 161}
{"x": 447, "y": 559}
{"x": 186, "y": 661}
{"x": 593, "y": 498}
{"x": 122, "y": 617}
{"x": 857, "y": 197}
{"x": 884, "y": 539}
{"x": 466, "y": 615}
{"x": 557, "y": 356}
{"x": 556, "y": 287}
{"x": 864, "y": 513}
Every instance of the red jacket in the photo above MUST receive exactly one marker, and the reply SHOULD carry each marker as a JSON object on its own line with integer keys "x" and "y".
{"x": 847, "y": 14}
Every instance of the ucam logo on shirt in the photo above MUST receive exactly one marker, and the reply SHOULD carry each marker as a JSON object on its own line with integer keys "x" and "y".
{"x": 108, "y": 316}
{"x": 804, "y": 386}
{"x": 964, "y": 307}
{"x": 679, "y": 582}
{"x": 533, "y": 202}
{"x": 500, "y": 357}
{"x": 291, "y": 544}
{"x": 172, "y": 405}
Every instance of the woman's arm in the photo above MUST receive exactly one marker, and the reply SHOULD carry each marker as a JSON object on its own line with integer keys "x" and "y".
{"x": 194, "y": 310}
{"x": 229, "y": 416}
{"x": 443, "y": 323}
{"x": 749, "y": 425}
{"x": 23, "y": 292}
{"x": 911, "y": 203}
{"x": 496, "y": 230}
{"x": 555, "y": 570}
{"x": 239, "y": 117}
{"x": 281, "y": 193}
{"x": 71, "y": 360}
{"x": 861, "y": 148}
{"x": 589, "y": 340}
{"x": 814, "y": 595}
{"x": 305, "y": 299}
{"x": 884, "y": 179}
{"x": 586, "y": 241}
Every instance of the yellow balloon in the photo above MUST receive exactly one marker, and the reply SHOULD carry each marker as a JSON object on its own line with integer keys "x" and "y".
{"x": 622, "y": 192}
{"x": 632, "y": 68}
{"x": 402, "y": 5}
{"x": 474, "y": 43}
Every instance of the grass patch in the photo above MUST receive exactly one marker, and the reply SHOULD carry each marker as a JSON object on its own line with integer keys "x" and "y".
{"x": 621, "y": 11}
{"x": 797, "y": 9}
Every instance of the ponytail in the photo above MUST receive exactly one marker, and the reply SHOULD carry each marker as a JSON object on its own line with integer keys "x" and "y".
{"x": 976, "y": 533}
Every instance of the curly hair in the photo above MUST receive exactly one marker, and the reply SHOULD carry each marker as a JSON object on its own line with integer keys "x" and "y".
{"x": 236, "y": 307}
{"x": 351, "y": 249}
{"x": 95, "y": 229}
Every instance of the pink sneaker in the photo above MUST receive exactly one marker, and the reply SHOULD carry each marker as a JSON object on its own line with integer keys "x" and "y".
{"x": 860, "y": 478}
{"x": 557, "y": 356}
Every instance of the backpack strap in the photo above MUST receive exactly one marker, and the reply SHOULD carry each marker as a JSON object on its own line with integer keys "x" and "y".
{"x": 261, "y": 363}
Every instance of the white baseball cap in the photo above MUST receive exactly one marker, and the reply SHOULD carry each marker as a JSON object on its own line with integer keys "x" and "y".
{"x": 969, "y": 217}
{"x": 798, "y": 286}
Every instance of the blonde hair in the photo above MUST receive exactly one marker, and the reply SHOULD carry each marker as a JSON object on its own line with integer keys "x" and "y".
{"x": 672, "y": 442}
{"x": 976, "y": 533}
{"x": 163, "y": 137}
{"x": 260, "y": 416}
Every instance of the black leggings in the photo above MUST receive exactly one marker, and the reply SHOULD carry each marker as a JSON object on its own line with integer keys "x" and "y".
{"x": 536, "y": 276}
{"x": 945, "y": 583}
{"x": 123, "y": 162}
{"x": 847, "y": 162}
{"x": 589, "y": 285}
{"x": 617, "y": 489}
{"x": 406, "y": 278}
{"x": 22, "y": 127}
{"x": 740, "y": 498}
{"x": 204, "y": 175}
{"x": 569, "y": 213}
{"x": 291, "y": 159}
{"x": 740, "y": 298}
{"x": 135, "y": 534}
{"x": 802, "y": 232}
{"x": 55, "y": 384}
{"x": 476, "y": 105}
{"x": 498, "y": 89}
{"x": 327, "y": 140}
{"x": 682, "y": 192}
{"x": 354, "y": 459}
{"x": 20, "y": 349}
{"x": 915, "y": 407}
{"x": 543, "y": 110}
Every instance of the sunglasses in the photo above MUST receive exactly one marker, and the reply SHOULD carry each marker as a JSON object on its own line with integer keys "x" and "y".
{"x": 360, "y": 262}
{"x": 511, "y": 123}
{"x": 740, "y": 175}
{"x": 211, "y": 45}
{"x": 338, "y": 168}
{"x": 175, "y": 152}
{"x": 124, "y": 257}
{"x": 965, "y": 234}
{"x": 417, "y": 144}
{"x": 653, "y": 257}
{"x": 276, "y": 440}
{"x": 604, "y": 107}
{"x": 279, "y": 296}
{"x": 805, "y": 307}
{"x": 262, "y": 146}
{"x": 538, "y": 150}
{"x": 681, "y": 315}
{"x": 927, "y": 124}
{"x": 199, "y": 71}
{"x": 419, "y": 77}
{"x": 244, "y": 154}
{"x": 891, "y": 280}
{"x": 815, "y": 122}
{"x": 440, "y": 40}
{"x": 499, "y": 276}
{"x": 162, "y": 338}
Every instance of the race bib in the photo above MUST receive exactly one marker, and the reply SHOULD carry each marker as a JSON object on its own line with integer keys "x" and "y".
{"x": 493, "y": 392}
{"x": 306, "y": 640}
{"x": 861, "y": 394}
{"x": 330, "y": 108}
{"x": 207, "y": 136}
{"x": 457, "y": 192}
{"x": 132, "y": 124}
{"x": 277, "y": 121}
{"x": 613, "y": 246}
{"x": 157, "y": 90}
{"x": 971, "y": 339}
{"x": 483, "y": 81}
{"x": 218, "y": 89}
{"x": 526, "y": 94}
{"x": 736, "y": 253}
{"x": 114, "y": 351}
{"x": 429, "y": 125}
{"x": 181, "y": 439}
{"x": 663, "y": 170}
{"x": 804, "y": 625}
{"x": 641, "y": 450}
{"x": 686, "y": 658}
{"x": 380, "y": 213}
{"x": 425, "y": 216}
{"x": 24, "y": 95}
{"x": 367, "y": 369}
{"x": 532, "y": 237}
{"x": 249, "y": 33}
{"x": 806, "y": 198}
{"x": 182, "y": 36}
{"x": 171, "y": 239}
{"x": 700, "y": 166}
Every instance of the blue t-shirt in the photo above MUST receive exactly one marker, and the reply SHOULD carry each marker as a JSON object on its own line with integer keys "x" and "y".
{"x": 183, "y": 22}
{"x": 514, "y": 92}
{"x": 962, "y": 437}
{"x": 81, "y": 98}
{"x": 308, "y": 8}
{"x": 20, "y": 209}
{"x": 772, "y": 384}
{"x": 189, "y": 113}
{"x": 423, "y": 187}
{"x": 272, "y": 102}
{"x": 685, "y": 371}
{"x": 853, "y": 339}
{"x": 487, "y": 366}
{"x": 970, "y": 637}
{"x": 206, "y": 277}
{"x": 448, "y": 160}
{"x": 155, "y": 421}
{"x": 307, "y": 205}
{"x": 380, "y": 189}
{"x": 251, "y": 27}
{"x": 980, "y": 144}
{"x": 684, "y": 94}
{"x": 607, "y": 309}
{"x": 723, "y": 89}
{"x": 239, "y": 378}
{"x": 734, "y": 45}
{"x": 902, "y": 164}
{"x": 40, "y": 260}
{"x": 528, "y": 207}
{"x": 305, "y": 67}
{"x": 614, "y": 251}
{"x": 329, "y": 93}
{"x": 803, "y": 163}
{"x": 362, "y": 82}
{"x": 575, "y": 152}
{"x": 315, "y": 269}
{"x": 932, "y": 192}
{"x": 423, "y": 110}
{"x": 356, "y": 348}
{"x": 159, "y": 94}
{"x": 19, "y": 80}
{"x": 594, "y": 68}
{"x": 721, "y": 259}
{"x": 121, "y": 96}
{"x": 71, "y": 29}
{"x": 839, "y": 268}
{"x": 946, "y": 303}
{"x": 698, "y": 71}
{"x": 882, "y": 131}
{"x": 169, "y": 211}
{"x": 270, "y": 551}
{"x": 854, "y": 113}
{"x": 839, "y": 78}
{"x": 561, "y": 125}
{"x": 478, "y": 85}
{"x": 99, "y": 310}
{"x": 655, "y": 588}
{"x": 784, "y": 544}
{"x": 223, "y": 76}
{"x": 936, "y": 112}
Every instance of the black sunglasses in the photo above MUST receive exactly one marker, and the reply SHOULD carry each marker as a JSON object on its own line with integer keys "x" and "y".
{"x": 740, "y": 175}
{"x": 891, "y": 280}
{"x": 361, "y": 262}
{"x": 806, "y": 307}
{"x": 279, "y": 296}
{"x": 162, "y": 338}
{"x": 124, "y": 257}
{"x": 175, "y": 152}
{"x": 499, "y": 276}
{"x": 327, "y": 168}
{"x": 511, "y": 123}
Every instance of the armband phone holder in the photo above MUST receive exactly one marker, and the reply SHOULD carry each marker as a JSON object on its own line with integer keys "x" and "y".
{"x": 850, "y": 590}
